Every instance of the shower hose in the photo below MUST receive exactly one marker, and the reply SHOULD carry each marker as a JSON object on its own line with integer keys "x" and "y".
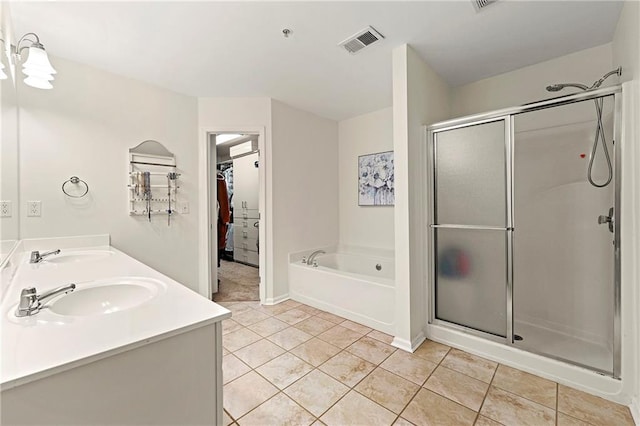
{"x": 599, "y": 136}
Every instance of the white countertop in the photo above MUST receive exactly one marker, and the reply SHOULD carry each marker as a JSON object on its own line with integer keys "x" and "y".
{"x": 46, "y": 343}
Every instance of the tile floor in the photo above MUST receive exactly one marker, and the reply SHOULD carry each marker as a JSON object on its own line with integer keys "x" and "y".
{"x": 291, "y": 364}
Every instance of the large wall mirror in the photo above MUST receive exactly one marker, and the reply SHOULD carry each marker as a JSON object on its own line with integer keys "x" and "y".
{"x": 9, "y": 149}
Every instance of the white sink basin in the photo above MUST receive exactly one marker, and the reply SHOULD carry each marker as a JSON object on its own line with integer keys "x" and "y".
{"x": 78, "y": 256}
{"x": 106, "y": 296}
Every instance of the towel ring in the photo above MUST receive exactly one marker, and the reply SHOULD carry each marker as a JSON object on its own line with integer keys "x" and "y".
{"x": 75, "y": 180}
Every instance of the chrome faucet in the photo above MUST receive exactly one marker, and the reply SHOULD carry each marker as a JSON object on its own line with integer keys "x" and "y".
{"x": 31, "y": 303}
{"x": 36, "y": 257}
{"x": 312, "y": 257}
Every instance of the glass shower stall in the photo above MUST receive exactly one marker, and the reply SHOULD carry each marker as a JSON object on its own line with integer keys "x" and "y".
{"x": 524, "y": 250}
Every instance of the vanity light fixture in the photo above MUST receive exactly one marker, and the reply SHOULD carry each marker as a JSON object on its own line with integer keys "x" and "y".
{"x": 3, "y": 75}
{"x": 37, "y": 67}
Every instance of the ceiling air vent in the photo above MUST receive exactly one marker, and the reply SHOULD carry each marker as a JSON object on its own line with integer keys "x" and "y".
{"x": 360, "y": 40}
{"x": 481, "y": 4}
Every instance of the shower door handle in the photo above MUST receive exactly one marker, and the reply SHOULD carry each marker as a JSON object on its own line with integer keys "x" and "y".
{"x": 607, "y": 219}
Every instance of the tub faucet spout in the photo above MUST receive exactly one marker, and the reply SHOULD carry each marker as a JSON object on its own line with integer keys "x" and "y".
{"x": 312, "y": 257}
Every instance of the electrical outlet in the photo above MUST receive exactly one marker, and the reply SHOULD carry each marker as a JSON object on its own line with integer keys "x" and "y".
{"x": 184, "y": 208}
{"x": 34, "y": 208}
{"x": 5, "y": 208}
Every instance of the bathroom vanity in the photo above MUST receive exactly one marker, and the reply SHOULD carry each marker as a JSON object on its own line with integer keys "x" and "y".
{"x": 127, "y": 346}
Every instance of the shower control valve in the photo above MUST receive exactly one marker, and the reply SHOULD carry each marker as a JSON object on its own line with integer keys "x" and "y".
{"x": 607, "y": 219}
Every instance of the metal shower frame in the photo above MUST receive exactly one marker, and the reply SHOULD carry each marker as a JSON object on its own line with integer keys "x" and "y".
{"x": 507, "y": 115}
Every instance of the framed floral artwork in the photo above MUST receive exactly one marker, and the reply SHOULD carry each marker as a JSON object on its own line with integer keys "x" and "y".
{"x": 375, "y": 179}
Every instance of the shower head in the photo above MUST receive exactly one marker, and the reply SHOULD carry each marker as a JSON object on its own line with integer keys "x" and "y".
{"x": 598, "y": 83}
{"x": 558, "y": 87}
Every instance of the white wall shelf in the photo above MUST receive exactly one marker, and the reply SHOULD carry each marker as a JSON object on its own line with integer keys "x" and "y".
{"x": 153, "y": 181}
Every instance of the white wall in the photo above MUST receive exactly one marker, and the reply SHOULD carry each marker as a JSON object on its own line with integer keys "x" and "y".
{"x": 420, "y": 97}
{"x": 528, "y": 84}
{"x": 626, "y": 42}
{"x": 304, "y": 170}
{"x": 84, "y": 126}
{"x": 626, "y": 52}
{"x": 367, "y": 226}
{"x": 9, "y": 226}
{"x": 230, "y": 112}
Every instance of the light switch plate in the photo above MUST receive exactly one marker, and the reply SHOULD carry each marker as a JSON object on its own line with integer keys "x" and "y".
{"x": 34, "y": 208}
{"x": 5, "y": 208}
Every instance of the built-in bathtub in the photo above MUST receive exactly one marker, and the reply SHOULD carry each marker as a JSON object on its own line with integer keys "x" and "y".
{"x": 355, "y": 283}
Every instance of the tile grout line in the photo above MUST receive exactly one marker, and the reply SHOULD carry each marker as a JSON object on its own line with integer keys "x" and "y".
{"x": 493, "y": 376}
{"x": 565, "y": 414}
{"x": 557, "y": 397}
{"x": 350, "y": 388}
{"x": 280, "y": 391}
{"x": 317, "y": 313}
{"x": 420, "y": 387}
{"x": 524, "y": 397}
{"x": 233, "y": 420}
{"x": 499, "y": 387}
{"x": 288, "y": 351}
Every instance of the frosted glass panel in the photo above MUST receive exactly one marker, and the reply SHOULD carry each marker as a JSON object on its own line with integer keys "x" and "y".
{"x": 471, "y": 278}
{"x": 470, "y": 175}
{"x": 563, "y": 259}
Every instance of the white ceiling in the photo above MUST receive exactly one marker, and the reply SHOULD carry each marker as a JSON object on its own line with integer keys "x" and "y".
{"x": 211, "y": 49}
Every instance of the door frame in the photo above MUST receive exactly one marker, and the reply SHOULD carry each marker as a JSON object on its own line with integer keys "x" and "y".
{"x": 208, "y": 276}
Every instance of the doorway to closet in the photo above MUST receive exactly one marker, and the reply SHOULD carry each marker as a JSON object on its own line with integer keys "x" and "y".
{"x": 235, "y": 213}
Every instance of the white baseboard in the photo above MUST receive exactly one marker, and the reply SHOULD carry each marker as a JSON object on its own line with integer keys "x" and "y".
{"x": 409, "y": 346}
{"x": 276, "y": 300}
{"x": 635, "y": 410}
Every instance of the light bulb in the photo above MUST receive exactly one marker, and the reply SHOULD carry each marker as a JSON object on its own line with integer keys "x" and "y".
{"x": 37, "y": 61}
{"x": 38, "y": 83}
{"x": 37, "y": 73}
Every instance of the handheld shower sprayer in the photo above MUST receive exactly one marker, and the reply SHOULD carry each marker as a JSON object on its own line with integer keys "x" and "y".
{"x": 599, "y": 127}
{"x": 558, "y": 87}
{"x": 595, "y": 85}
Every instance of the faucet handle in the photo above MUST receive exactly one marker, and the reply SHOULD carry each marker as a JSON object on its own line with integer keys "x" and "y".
{"x": 28, "y": 291}
{"x": 304, "y": 259}
{"x": 28, "y": 298}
